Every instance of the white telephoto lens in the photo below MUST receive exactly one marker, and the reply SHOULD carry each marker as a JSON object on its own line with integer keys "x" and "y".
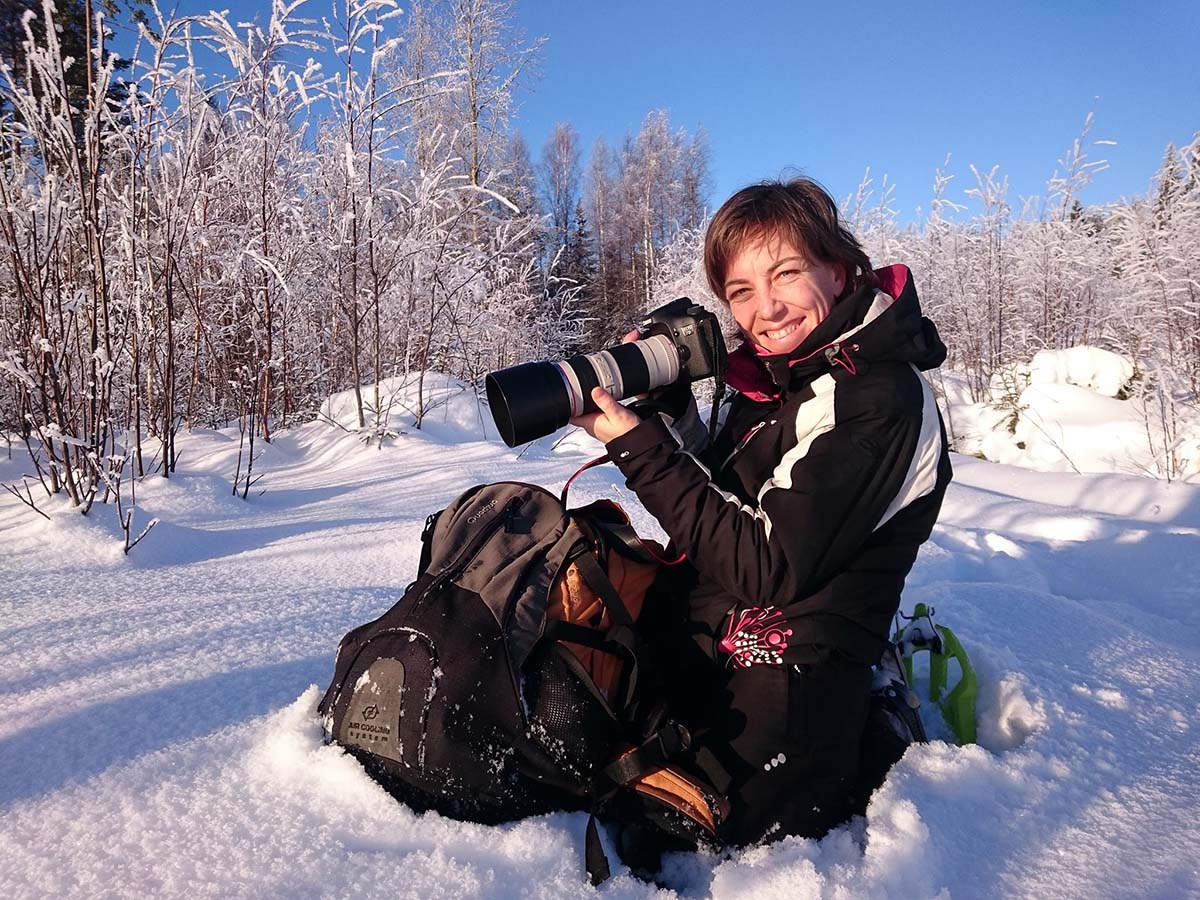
{"x": 574, "y": 389}
{"x": 662, "y": 359}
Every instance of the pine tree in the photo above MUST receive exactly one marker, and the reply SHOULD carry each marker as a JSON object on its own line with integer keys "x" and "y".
{"x": 579, "y": 269}
{"x": 76, "y": 23}
{"x": 1170, "y": 185}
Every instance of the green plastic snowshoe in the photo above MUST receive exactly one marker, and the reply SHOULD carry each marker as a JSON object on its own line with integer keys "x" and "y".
{"x": 921, "y": 633}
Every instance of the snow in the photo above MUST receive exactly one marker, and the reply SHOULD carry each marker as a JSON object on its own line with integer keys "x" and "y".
{"x": 1102, "y": 371}
{"x": 158, "y": 729}
{"x": 1073, "y": 410}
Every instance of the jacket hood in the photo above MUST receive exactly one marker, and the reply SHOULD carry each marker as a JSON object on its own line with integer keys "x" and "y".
{"x": 870, "y": 325}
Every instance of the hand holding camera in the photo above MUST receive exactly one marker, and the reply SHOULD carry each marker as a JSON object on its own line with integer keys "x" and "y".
{"x": 679, "y": 342}
{"x": 612, "y": 421}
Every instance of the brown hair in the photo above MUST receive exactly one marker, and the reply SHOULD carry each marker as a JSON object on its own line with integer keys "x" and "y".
{"x": 799, "y": 210}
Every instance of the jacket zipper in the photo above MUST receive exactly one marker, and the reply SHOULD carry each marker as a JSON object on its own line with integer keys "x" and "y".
{"x": 830, "y": 350}
{"x": 741, "y": 445}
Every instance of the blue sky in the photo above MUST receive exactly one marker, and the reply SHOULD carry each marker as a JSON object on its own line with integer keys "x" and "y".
{"x": 831, "y": 88}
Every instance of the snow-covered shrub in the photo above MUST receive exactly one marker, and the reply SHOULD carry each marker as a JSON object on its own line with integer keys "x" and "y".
{"x": 1078, "y": 409}
{"x": 1102, "y": 371}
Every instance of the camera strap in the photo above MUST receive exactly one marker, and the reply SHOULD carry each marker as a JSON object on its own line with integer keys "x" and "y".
{"x": 720, "y": 364}
{"x": 598, "y": 461}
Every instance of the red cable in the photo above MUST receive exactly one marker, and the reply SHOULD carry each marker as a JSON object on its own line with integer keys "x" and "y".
{"x": 666, "y": 562}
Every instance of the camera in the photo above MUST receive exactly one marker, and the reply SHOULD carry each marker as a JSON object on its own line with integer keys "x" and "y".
{"x": 678, "y": 342}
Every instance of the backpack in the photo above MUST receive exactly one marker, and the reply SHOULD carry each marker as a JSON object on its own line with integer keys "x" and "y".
{"x": 509, "y": 681}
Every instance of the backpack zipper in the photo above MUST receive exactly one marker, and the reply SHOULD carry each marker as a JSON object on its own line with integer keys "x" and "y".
{"x": 468, "y": 553}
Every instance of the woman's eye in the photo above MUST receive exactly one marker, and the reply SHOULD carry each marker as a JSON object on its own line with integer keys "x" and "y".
{"x": 789, "y": 273}
{"x": 739, "y": 294}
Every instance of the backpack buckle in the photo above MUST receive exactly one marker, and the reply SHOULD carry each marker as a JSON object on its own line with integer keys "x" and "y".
{"x": 672, "y": 738}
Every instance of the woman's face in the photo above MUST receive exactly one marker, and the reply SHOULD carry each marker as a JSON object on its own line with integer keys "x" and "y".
{"x": 777, "y": 295}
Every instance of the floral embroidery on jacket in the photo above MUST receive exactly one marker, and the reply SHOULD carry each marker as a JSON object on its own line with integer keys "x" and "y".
{"x": 756, "y": 636}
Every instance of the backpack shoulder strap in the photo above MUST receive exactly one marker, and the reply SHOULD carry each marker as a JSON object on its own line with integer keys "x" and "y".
{"x": 597, "y": 579}
{"x": 612, "y": 529}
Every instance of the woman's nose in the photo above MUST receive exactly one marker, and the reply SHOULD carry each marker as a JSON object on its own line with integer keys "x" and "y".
{"x": 768, "y": 301}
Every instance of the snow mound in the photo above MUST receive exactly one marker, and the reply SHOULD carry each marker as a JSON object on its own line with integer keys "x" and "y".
{"x": 1071, "y": 411}
{"x": 448, "y": 409}
{"x": 1062, "y": 428}
{"x": 1102, "y": 371}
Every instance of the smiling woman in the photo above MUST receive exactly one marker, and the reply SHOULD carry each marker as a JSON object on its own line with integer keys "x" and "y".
{"x": 802, "y": 518}
{"x": 778, "y": 256}
{"x": 777, "y": 295}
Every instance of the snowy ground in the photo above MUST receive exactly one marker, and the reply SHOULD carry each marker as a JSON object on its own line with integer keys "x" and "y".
{"x": 157, "y": 735}
{"x": 1079, "y": 410}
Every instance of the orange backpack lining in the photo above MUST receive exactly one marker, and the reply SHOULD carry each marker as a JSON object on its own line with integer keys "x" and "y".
{"x": 573, "y": 601}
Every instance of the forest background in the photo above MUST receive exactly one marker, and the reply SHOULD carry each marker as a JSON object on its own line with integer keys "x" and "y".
{"x": 220, "y": 223}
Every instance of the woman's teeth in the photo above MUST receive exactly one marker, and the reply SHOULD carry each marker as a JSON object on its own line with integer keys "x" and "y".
{"x": 782, "y": 332}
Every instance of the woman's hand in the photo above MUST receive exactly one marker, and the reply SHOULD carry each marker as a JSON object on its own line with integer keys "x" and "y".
{"x": 611, "y": 422}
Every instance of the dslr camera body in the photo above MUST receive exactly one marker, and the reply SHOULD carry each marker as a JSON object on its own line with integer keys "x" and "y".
{"x": 679, "y": 342}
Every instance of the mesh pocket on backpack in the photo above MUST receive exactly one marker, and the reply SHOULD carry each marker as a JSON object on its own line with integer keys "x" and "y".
{"x": 565, "y": 718}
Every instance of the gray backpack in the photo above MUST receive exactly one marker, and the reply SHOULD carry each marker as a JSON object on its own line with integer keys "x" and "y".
{"x": 509, "y": 679}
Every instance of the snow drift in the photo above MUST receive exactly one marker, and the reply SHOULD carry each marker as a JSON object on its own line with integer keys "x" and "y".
{"x": 158, "y": 736}
{"x": 1079, "y": 410}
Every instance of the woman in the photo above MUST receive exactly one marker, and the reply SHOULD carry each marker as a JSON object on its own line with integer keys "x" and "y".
{"x": 803, "y": 518}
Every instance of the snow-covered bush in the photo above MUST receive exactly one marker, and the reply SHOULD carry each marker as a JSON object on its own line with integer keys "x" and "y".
{"x": 1102, "y": 371}
{"x": 1077, "y": 409}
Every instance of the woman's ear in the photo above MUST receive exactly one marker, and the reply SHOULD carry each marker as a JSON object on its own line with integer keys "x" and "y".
{"x": 840, "y": 281}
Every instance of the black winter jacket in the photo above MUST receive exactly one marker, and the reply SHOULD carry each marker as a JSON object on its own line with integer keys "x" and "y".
{"x": 804, "y": 517}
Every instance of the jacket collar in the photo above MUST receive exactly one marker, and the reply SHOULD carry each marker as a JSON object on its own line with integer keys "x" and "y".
{"x": 867, "y": 325}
